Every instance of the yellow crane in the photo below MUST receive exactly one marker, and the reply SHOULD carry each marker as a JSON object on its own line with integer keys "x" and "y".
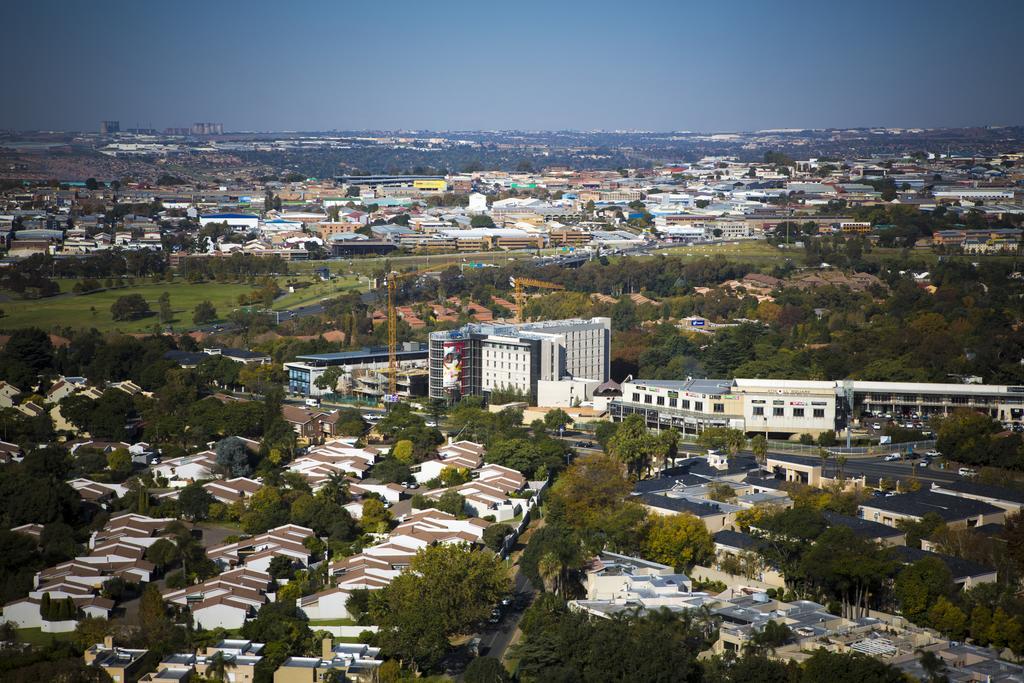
{"x": 392, "y": 279}
{"x": 519, "y": 282}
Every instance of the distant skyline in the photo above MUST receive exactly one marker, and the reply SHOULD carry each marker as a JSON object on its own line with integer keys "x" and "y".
{"x": 745, "y": 65}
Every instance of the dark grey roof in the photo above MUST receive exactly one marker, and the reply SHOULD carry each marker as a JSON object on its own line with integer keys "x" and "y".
{"x": 680, "y": 504}
{"x": 667, "y": 483}
{"x": 736, "y": 539}
{"x": 920, "y": 503}
{"x": 986, "y": 490}
{"x": 960, "y": 569}
{"x": 861, "y": 527}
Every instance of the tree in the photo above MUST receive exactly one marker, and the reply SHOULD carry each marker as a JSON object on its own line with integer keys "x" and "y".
{"x": 281, "y": 567}
{"x": 634, "y": 445}
{"x": 966, "y": 436}
{"x": 119, "y": 462}
{"x": 759, "y": 446}
{"x": 162, "y": 553}
{"x": 233, "y": 456}
{"x": 402, "y": 451}
{"x": 494, "y": 536}
{"x": 678, "y": 540}
{"x": 773, "y": 635}
{"x": 130, "y": 307}
{"x": 452, "y": 502}
{"x": 933, "y": 665}
{"x": 722, "y": 438}
{"x": 156, "y": 625}
{"x": 486, "y": 670}
{"x": 194, "y": 502}
{"x": 916, "y": 530}
{"x": 166, "y": 313}
{"x": 375, "y": 517}
{"x": 446, "y": 591}
{"x": 557, "y": 420}
{"x": 848, "y": 567}
{"x": 919, "y": 585}
{"x": 590, "y": 497}
{"x": 329, "y": 379}
{"x": 853, "y": 667}
{"x": 204, "y": 313}
{"x": 947, "y": 618}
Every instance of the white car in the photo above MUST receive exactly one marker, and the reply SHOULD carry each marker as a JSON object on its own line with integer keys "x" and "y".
{"x": 892, "y": 457}
{"x": 933, "y": 454}
{"x": 966, "y": 472}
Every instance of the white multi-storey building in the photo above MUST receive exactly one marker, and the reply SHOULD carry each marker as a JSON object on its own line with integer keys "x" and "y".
{"x": 481, "y": 359}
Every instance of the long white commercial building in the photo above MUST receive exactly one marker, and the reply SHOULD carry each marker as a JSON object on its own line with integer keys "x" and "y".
{"x": 786, "y": 407}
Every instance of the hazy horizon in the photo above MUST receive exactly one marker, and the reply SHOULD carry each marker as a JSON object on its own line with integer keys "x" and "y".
{"x": 530, "y": 66}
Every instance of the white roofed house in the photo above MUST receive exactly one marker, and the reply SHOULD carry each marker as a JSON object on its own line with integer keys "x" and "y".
{"x": 226, "y": 600}
{"x": 7, "y": 394}
{"x": 257, "y": 552}
{"x": 336, "y": 456}
{"x": 117, "y": 550}
{"x": 180, "y": 472}
{"x": 459, "y": 455}
{"x": 488, "y": 494}
{"x": 225, "y": 491}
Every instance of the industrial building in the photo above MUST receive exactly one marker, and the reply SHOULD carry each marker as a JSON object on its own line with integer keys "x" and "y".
{"x": 477, "y": 360}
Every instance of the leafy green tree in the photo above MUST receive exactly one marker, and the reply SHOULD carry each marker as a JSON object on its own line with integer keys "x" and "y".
{"x": 759, "y": 446}
{"x": 926, "y": 527}
{"x": 204, "y": 313}
{"x": 494, "y": 535}
{"x": 948, "y": 619}
{"x": 722, "y": 438}
{"x": 447, "y": 590}
{"x": 119, "y": 462}
{"x": 194, "y": 501}
{"x": 166, "y": 313}
{"x": 556, "y": 420}
{"x": 162, "y": 553}
{"x": 853, "y": 667}
{"x": 233, "y": 456}
{"x": 329, "y": 379}
{"x": 486, "y": 670}
{"x": 634, "y": 445}
{"x": 678, "y": 540}
{"x": 452, "y": 503}
{"x": 850, "y": 568}
{"x": 130, "y": 307}
{"x": 553, "y": 559}
{"x": 919, "y": 585}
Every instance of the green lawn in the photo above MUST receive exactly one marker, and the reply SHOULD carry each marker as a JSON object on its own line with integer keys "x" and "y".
{"x": 35, "y": 636}
{"x": 93, "y": 310}
{"x": 313, "y": 624}
{"x": 748, "y": 251}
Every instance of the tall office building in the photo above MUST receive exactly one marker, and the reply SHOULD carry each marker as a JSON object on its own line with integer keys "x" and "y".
{"x": 207, "y": 129}
{"x": 110, "y": 127}
{"x": 478, "y": 359}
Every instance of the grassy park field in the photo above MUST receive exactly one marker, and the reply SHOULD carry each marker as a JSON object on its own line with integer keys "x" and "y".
{"x": 93, "y": 310}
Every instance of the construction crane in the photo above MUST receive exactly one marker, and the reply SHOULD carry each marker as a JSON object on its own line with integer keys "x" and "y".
{"x": 392, "y": 279}
{"x": 519, "y": 282}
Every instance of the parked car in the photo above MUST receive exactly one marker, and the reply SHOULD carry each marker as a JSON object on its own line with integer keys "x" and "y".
{"x": 932, "y": 454}
{"x": 966, "y": 472}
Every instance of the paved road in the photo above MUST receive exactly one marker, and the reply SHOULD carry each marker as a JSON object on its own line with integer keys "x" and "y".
{"x": 495, "y": 640}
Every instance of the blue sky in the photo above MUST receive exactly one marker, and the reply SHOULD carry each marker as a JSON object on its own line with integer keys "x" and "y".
{"x": 453, "y": 65}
